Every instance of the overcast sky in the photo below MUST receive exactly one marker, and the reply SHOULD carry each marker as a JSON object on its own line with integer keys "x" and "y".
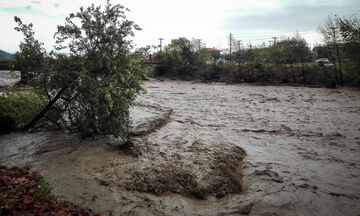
{"x": 252, "y": 21}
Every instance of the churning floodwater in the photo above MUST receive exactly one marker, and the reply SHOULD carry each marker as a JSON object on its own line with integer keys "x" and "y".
{"x": 211, "y": 149}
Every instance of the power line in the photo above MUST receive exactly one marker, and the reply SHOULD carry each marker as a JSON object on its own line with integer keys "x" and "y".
{"x": 272, "y": 33}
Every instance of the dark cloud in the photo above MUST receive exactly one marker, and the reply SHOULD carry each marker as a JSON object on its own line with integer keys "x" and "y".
{"x": 291, "y": 17}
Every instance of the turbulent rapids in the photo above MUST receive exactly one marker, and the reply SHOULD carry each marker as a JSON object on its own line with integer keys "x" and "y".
{"x": 210, "y": 149}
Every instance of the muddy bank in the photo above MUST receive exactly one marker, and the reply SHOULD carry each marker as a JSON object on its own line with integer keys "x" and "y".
{"x": 302, "y": 147}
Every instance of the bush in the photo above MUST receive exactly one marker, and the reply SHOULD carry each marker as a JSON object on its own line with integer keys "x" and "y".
{"x": 21, "y": 106}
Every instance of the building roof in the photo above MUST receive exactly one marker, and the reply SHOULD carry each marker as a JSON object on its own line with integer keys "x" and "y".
{"x": 212, "y": 50}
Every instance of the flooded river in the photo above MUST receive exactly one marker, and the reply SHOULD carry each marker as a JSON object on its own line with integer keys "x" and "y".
{"x": 211, "y": 149}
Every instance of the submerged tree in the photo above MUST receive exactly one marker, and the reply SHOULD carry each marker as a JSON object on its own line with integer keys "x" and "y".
{"x": 92, "y": 78}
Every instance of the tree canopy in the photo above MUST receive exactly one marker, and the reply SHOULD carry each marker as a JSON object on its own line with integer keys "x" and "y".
{"x": 92, "y": 77}
{"x": 343, "y": 35}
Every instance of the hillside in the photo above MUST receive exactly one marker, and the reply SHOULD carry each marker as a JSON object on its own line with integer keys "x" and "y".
{"x": 5, "y": 56}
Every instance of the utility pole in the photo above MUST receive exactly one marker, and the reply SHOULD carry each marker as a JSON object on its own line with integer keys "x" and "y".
{"x": 251, "y": 59}
{"x": 230, "y": 47}
{"x": 239, "y": 54}
{"x": 199, "y": 44}
{"x": 161, "y": 39}
{"x": 274, "y": 40}
{"x": 238, "y": 49}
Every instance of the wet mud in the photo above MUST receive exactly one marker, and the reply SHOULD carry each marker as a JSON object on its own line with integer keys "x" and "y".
{"x": 211, "y": 149}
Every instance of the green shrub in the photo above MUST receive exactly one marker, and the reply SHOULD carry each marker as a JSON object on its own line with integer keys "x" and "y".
{"x": 21, "y": 106}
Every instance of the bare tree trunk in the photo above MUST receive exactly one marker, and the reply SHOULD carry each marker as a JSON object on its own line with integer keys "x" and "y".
{"x": 293, "y": 72}
{"x": 338, "y": 55}
{"x": 23, "y": 78}
{"x": 303, "y": 70}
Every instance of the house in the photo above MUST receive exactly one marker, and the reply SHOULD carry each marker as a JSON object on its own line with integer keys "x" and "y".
{"x": 214, "y": 53}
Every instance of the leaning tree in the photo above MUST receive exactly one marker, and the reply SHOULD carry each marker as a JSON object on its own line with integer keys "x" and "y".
{"x": 92, "y": 77}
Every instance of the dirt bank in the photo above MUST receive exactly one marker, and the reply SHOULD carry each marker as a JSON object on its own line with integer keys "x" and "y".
{"x": 302, "y": 147}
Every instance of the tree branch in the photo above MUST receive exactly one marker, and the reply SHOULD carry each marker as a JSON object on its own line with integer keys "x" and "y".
{"x": 44, "y": 111}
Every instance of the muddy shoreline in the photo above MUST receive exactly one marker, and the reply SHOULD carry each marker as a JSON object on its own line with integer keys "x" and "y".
{"x": 302, "y": 154}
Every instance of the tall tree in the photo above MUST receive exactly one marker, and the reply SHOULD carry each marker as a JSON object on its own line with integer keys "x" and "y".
{"x": 349, "y": 29}
{"x": 332, "y": 38}
{"x": 293, "y": 50}
{"x": 181, "y": 57}
{"x": 302, "y": 53}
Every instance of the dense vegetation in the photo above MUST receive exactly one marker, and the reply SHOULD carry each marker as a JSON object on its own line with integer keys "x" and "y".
{"x": 285, "y": 61}
{"x": 342, "y": 38}
{"x": 289, "y": 60}
{"x": 88, "y": 83}
{"x": 21, "y": 106}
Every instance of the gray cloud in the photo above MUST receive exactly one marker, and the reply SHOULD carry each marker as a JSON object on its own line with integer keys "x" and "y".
{"x": 291, "y": 17}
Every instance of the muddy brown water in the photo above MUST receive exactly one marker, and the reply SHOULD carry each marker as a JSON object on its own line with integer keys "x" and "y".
{"x": 302, "y": 153}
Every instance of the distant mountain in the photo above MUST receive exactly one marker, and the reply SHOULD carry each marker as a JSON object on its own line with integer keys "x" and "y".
{"x": 5, "y": 56}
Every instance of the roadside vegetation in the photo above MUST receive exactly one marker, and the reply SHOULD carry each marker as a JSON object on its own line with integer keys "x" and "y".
{"x": 288, "y": 60}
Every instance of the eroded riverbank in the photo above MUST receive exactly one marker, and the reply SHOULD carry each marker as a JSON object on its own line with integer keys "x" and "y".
{"x": 302, "y": 154}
